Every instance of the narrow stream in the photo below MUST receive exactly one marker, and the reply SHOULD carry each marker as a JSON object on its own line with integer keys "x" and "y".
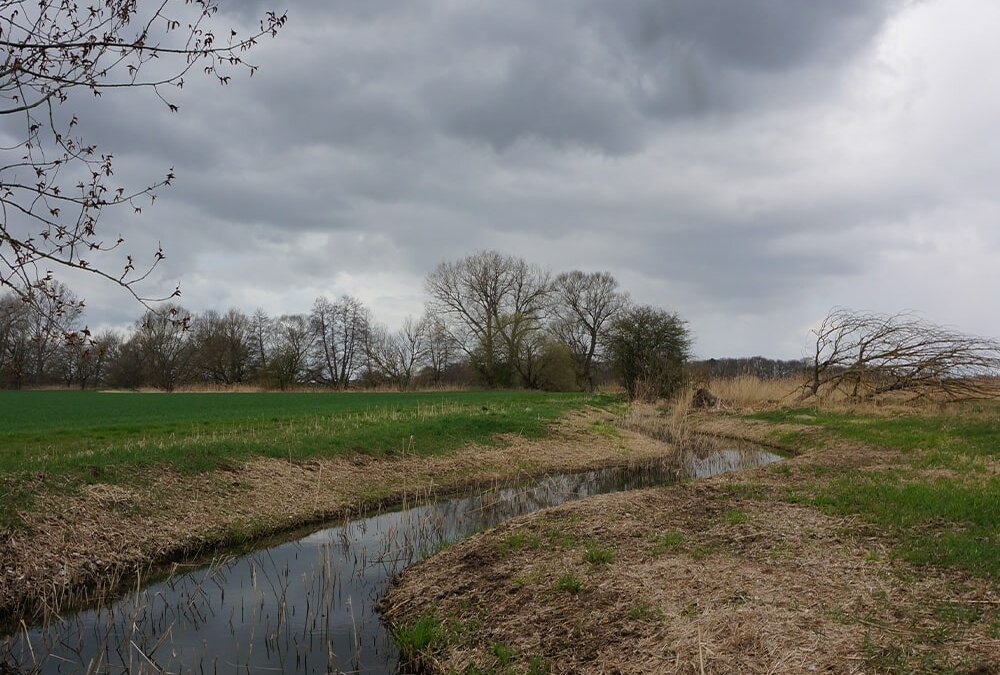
{"x": 306, "y": 606}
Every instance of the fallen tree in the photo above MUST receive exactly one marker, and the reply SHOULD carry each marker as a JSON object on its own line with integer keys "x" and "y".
{"x": 865, "y": 354}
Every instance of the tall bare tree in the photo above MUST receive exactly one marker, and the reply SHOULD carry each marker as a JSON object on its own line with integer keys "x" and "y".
{"x": 53, "y": 318}
{"x": 288, "y": 361}
{"x": 261, "y": 340}
{"x": 585, "y": 304}
{"x": 491, "y": 304}
{"x": 223, "y": 344}
{"x": 54, "y": 184}
{"x": 84, "y": 360}
{"x": 442, "y": 349}
{"x": 396, "y": 355}
{"x": 14, "y": 340}
{"x": 340, "y": 332}
{"x": 164, "y": 344}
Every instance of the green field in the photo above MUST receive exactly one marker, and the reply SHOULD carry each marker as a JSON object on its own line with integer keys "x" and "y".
{"x": 62, "y": 439}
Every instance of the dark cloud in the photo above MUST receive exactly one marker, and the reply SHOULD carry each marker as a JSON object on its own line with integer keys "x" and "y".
{"x": 721, "y": 157}
{"x": 769, "y": 35}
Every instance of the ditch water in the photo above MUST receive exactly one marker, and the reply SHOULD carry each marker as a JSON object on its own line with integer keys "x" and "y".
{"x": 307, "y": 606}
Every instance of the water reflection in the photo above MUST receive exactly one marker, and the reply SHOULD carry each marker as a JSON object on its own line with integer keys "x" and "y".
{"x": 308, "y": 606}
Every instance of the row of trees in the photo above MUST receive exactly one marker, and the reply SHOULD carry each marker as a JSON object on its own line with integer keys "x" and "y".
{"x": 490, "y": 319}
{"x": 336, "y": 345}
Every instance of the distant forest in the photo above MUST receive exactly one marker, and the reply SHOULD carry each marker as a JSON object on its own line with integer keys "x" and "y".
{"x": 490, "y": 320}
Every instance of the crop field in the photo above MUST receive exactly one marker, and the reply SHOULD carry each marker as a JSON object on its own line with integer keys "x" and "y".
{"x": 62, "y": 439}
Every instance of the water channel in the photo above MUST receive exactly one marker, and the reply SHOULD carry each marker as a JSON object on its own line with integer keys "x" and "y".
{"x": 307, "y": 606}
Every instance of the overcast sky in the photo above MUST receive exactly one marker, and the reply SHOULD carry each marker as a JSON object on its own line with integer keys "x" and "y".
{"x": 749, "y": 164}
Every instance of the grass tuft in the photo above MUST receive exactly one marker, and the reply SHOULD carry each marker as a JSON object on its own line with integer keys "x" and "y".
{"x": 598, "y": 555}
{"x": 569, "y": 583}
{"x": 668, "y": 541}
{"x": 424, "y": 633}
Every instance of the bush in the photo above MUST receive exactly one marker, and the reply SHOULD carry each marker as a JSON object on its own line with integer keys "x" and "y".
{"x": 648, "y": 348}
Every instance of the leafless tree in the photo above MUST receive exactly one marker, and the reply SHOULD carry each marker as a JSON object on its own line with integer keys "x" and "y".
{"x": 14, "y": 341}
{"x": 54, "y": 184}
{"x": 396, "y": 355}
{"x": 223, "y": 344}
{"x": 491, "y": 303}
{"x": 288, "y": 362}
{"x": 53, "y": 320}
{"x": 261, "y": 340}
{"x": 32, "y": 336}
{"x": 864, "y": 354}
{"x": 441, "y": 348}
{"x": 164, "y": 344}
{"x": 85, "y": 361}
{"x": 584, "y": 306}
{"x": 340, "y": 333}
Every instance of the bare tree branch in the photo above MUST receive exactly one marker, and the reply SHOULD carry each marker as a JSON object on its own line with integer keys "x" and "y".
{"x": 864, "y": 354}
{"x": 54, "y": 186}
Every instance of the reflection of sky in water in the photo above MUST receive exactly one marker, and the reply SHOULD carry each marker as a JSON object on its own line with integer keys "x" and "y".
{"x": 308, "y": 606}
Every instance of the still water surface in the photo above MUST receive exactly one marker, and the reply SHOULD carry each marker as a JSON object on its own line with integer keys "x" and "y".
{"x": 307, "y": 606}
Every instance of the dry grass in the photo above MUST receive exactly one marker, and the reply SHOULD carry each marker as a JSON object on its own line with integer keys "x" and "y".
{"x": 747, "y": 391}
{"x": 109, "y": 533}
{"x": 708, "y": 577}
{"x": 735, "y": 574}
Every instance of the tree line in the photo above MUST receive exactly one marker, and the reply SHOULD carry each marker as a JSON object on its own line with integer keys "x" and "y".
{"x": 490, "y": 320}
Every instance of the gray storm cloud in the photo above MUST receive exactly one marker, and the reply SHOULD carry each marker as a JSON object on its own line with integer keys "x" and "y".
{"x": 760, "y": 160}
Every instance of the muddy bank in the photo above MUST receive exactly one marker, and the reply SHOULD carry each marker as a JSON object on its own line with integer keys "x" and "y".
{"x": 715, "y": 576}
{"x": 78, "y": 546}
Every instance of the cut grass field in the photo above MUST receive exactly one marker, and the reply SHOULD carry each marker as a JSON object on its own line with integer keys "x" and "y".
{"x": 876, "y": 548}
{"x": 61, "y": 440}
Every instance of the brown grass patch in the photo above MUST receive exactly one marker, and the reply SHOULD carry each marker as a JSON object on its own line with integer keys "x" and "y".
{"x": 723, "y": 575}
{"x": 702, "y": 581}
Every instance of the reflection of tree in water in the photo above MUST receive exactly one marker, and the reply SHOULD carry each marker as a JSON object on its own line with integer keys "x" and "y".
{"x": 307, "y": 606}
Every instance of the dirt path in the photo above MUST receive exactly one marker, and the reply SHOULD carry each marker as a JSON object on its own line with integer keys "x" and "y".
{"x": 77, "y": 547}
{"x": 711, "y": 576}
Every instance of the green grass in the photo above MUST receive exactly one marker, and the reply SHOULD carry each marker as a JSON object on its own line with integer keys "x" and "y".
{"x": 668, "y": 541}
{"x": 517, "y": 542}
{"x": 504, "y": 653}
{"x": 59, "y": 439}
{"x": 951, "y": 434}
{"x": 569, "y": 583}
{"x": 598, "y": 555}
{"x": 939, "y": 500}
{"x": 943, "y": 522}
{"x": 539, "y": 666}
{"x": 414, "y": 638}
{"x": 644, "y": 612}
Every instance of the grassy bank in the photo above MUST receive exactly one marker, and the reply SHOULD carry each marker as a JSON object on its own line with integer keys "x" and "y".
{"x": 937, "y": 495}
{"x": 104, "y": 486}
{"x": 63, "y": 440}
{"x": 874, "y": 549}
